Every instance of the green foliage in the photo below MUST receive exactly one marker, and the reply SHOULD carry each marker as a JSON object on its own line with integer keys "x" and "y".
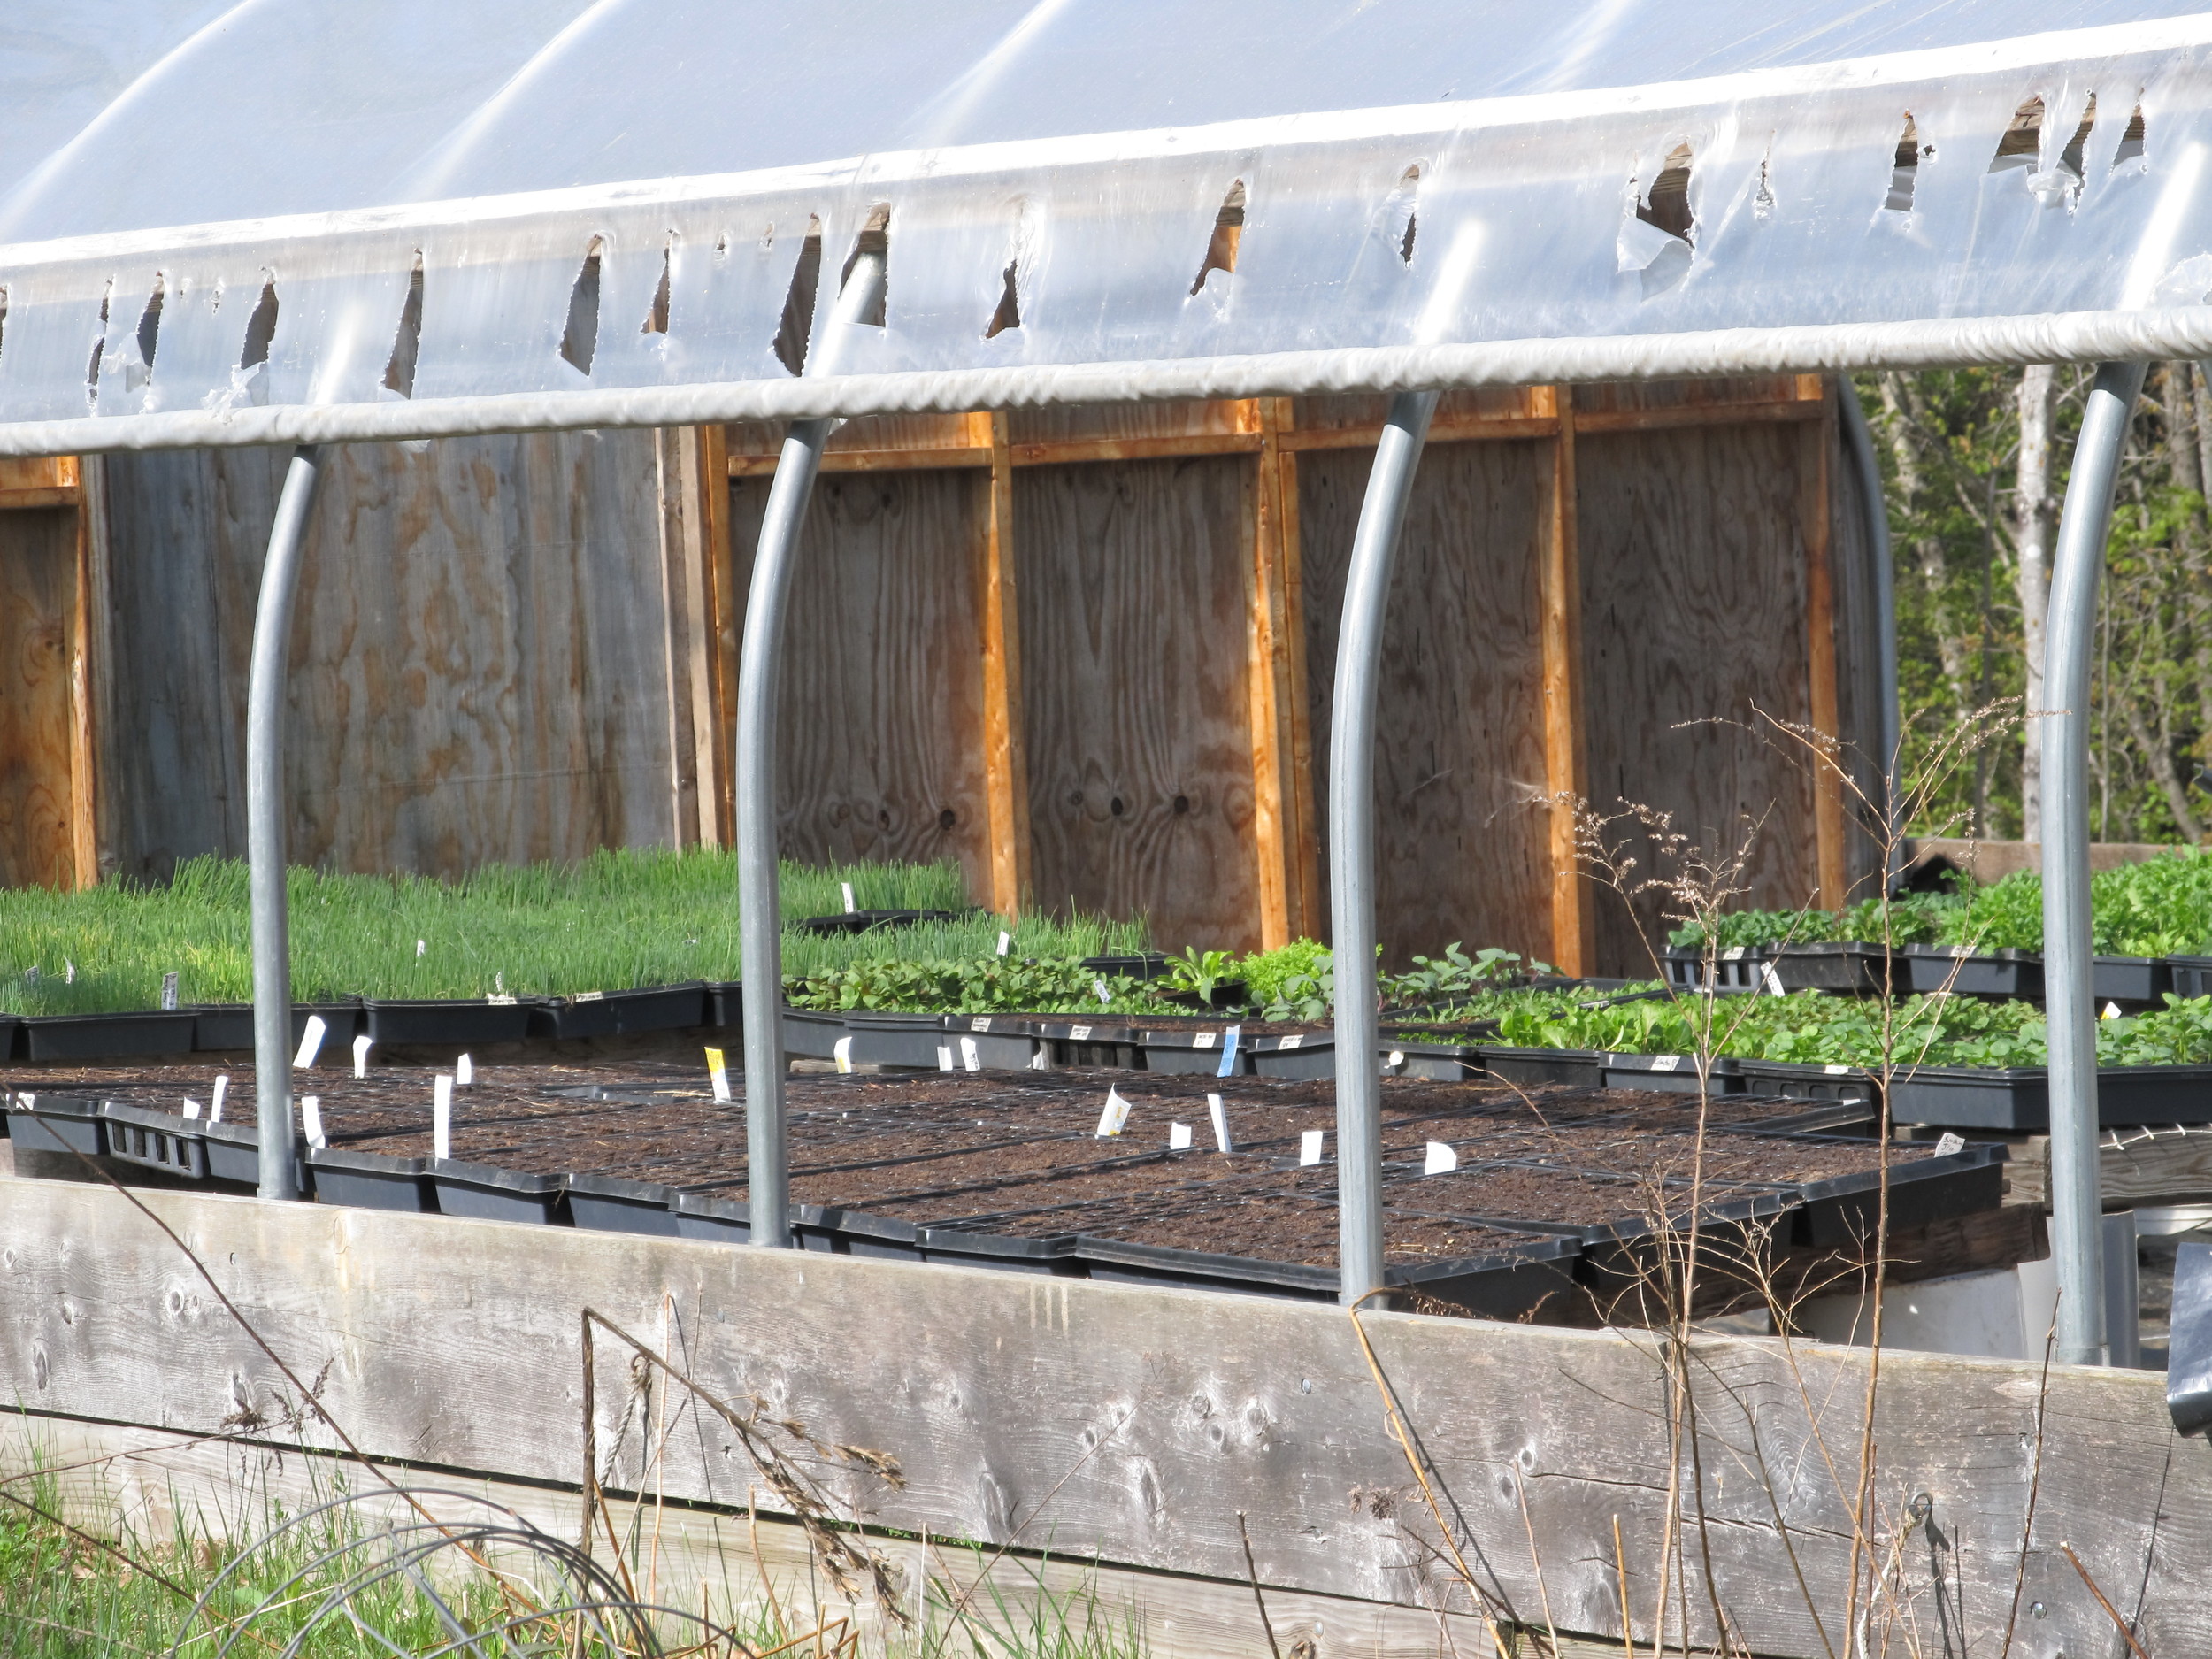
{"x": 1455, "y": 975}
{"x": 1266, "y": 973}
{"x": 1198, "y": 974}
{"x": 978, "y": 984}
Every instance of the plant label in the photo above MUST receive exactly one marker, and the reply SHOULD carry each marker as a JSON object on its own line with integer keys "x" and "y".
{"x": 1950, "y": 1145}
{"x": 849, "y": 906}
{"x": 361, "y": 1046}
{"x": 1219, "y": 1114}
{"x": 2111, "y": 1011}
{"x": 1296, "y": 1040}
{"x": 191, "y": 1108}
{"x": 1397, "y": 1057}
{"x": 842, "y": 1051}
{"x": 1772, "y": 980}
{"x": 1111, "y": 1120}
{"x": 718, "y": 1073}
{"x": 1833, "y": 1070}
{"x": 981, "y": 1022}
{"x": 1099, "y": 990}
{"x": 1041, "y": 1061}
{"x": 1666, "y": 1063}
{"x": 1439, "y": 1159}
{"x": 1310, "y": 1146}
{"x": 1230, "y": 1039}
{"x": 1202, "y": 1040}
{"x": 463, "y": 1072}
{"x": 944, "y": 1057}
{"x": 215, "y": 1105}
{"x": 312, "y": 1121}
{"x": 168, "y": 993}
{"x": 1005, "y": 942}
{"x": 1178, "y": 1137}
{"x": 311, "y": 1043}
{"x": 422, "y": 948}
{"x": 1079, "y": 1034}
{"x": 970, "y": 1057}
{"x": 1734, "y": 953}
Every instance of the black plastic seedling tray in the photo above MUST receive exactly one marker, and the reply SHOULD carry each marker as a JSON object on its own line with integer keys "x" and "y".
{"x": 865, "y": 921}
{"x": 155, "y": 1139}
{"x": 1439, "y": 1062}
{"x": 50, "y": 1038}
{"x": 1299, "y": 1055}
{"x": 1003, "y": 1252}
{"x": 484, "y": 1191}
{"x": 614, "y": 1203}
{"x": 1150, "y": 965}
{"x": 1079, "y": 1042}
{"x": 2128, "y": 978}
{"x": 1802, "y": 1080}
{"x": 461, "y": 1024}
{"x": 841, "y": 1231}
{"x": 2192, "y": 976}
{"x": 1669, "y": 1073}
{"x": 370, "y": 1180}
{"x": 10, "y": 1033}
{"x": 2018, "y": 1101}
{"x": 1500, "y": 1285}
{"x": 55, "y": 1123}
{"x": 812, "y": 1033}
{"x": 725, "y": 1005}
{"x": 627, "y": 1013}
{"x": 1192, "y": 1052}
{"x": 1931, "y": 967}
{"x": 909, "y": 1041}
{"x": 1848, "y": 968}
{"x": 1001, "y": 1042}
{"x": 1736, "y": 968}
{"x": 226, "y": 1027}
{"x": 1575, "y": 1067}
{"x": 1841, "y": 1212}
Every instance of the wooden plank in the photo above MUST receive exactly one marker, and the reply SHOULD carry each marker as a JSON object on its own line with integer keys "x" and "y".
{"x": 1139, "y": 1424}
{"x": 17, "y": 500}
{"x": 1005, "y": 753}
{"x": 880, "y": 749}
{"x": 1462, "y": 828}
{"x": 1817, "y": 441}
{"x": 1073, "y": 452}
{"x": 1672, "y": 418}
{"x": 725, "y": 626}
{"x": 870, "y": 461}
{"x": 1693, "y": 634}
{"x": 1281, "y": 840}
{"x": 29, "y": 482}
{"x": 40, "y": 622}
{"x": 686, "y": 694}
{"x": 1058, "y": 425}
{"x": 1465, "y": 430}
{"x": 1133, "y": 622}
{"x": 1566, "y": 759}
{"x": 84, "y": 840}
{"x": 2162, "y": 1164}
{"x": 100, "y": 655}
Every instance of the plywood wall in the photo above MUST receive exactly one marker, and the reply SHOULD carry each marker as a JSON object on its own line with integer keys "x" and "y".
{"x": 38, "y": 627}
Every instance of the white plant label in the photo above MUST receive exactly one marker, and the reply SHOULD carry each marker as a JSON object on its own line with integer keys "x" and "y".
{"x": 1178, "y": 1137}
{"x": 442, "y": 1118}
{"x": 849, "y": 906}
{"x": 1310, "y": 1146}
{"x": 1397, "y": 1058}
{"x": 1950, "y": 1145}
{"x": 1005, "y": 942}
{"x": 463, "y": 1072}
{"x": 215, "y": 1106}
{"x": 1295, "y": 1040}
{"x": 2111, "y": 1010}
{"x": 970, "y": 1056}
{"x": 1079, "y": 1034}
{"x": 718, "y": 1073}
{"x": 981, "y": 1022}
{"x": 1440, "y": 1159}
{"x": 422, "y": 948}
{"x": 842, "y": 1051}
{"x": 168, "y": 993}
{"x": 312, "y": 1121}
{"x": 1835, "y": 1070}
{"x": 311, "y": 1043}
{"x": 1041, "y": 1061}
{"x": 1219, "y": 1114}
{"x": 1098, "y": 989}
{"x": 1203, "y": 1040}
{"x": 1230, "y": 1039}
{"x": 1734, "y": 953}
{"x": 944, "y": 1057}
{"x": 1111, "y": 1120}
{"x": 361, "y": 1046}
{"x": 68, "y": 972}
{"x": 1666, "y": 1063}
{"x": 191, "y": 1107}
{"x": 1771, "y": 979}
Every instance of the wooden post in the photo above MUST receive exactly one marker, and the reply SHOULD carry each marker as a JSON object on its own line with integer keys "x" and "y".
{"x": 84, "y": 839}
{"x": 724, "y": 618}
{"x": 1005, "y": 757}
{"x": 1816, "y": 440}
{"x": 1566, "y": 764}
{"x": 1282, "y": 760}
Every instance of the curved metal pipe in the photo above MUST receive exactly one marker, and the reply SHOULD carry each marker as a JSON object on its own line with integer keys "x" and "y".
{"x": 2070, "y": 1014}
{"x": 767, "y": 1162}
{"x": 1352, "y": 843}
{"x": 1877, "y": 511}
{"x": 265, "y": 827}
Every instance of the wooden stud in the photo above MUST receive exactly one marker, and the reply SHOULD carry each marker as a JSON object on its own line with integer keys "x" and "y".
{"x": 1275, "y": 657}
{"x": 724, "y": 619}
{"x": 1005, "y": 757}
{"x": 1566, "y": 759}
{"x": 84, "y": 841}
{"x": 1816, "y": 440}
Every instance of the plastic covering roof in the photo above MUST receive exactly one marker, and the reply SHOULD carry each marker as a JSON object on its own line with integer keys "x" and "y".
{"x": 318, "y": 219}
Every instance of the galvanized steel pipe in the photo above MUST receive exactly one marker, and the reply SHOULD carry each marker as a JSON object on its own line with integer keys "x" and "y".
{"x": 2068, "y": 646}
{"x": 265, "y": 827}
{"x": 1876, "y": 511}
{"x": 1352, "y": 842}
{"x": 767, "y": 1163}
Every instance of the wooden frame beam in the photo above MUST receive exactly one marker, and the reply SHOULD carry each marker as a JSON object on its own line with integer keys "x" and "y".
{"x": 1817, "y": 441}
{"x": 1005, "y": 753}
{"x": 1566, "y": 759}
{"x": 1283, "y": 830}
{"x": 722, "y": 624}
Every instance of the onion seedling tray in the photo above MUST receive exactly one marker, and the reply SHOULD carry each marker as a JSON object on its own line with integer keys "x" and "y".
{"x": 222, "y": 1027}
{"x": 627, "y": 1013}
{"x": 1149, "y": 964}
{"x": 50, "y": 1038}
{"x": 725, "y": 1004}
{"x": 459, "y": 1023}
{"x": 867, "y": 921}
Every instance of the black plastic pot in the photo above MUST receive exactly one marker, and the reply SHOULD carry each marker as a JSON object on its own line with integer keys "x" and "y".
{"x": 1841, "y": 1212}
{"x": 1298, "y": 1055}
{"x": 1973, "y": 973}
{"x": 158, "y": 1140}
{"x": 865, "y": 921}
{"x": 1190, "y": 1053}
{"x": 483, "y": 1192}
{"x": 1003, "y": 1042}
{"x": 55, "y": 1123}
{"x": 812, "y": 1033}
{"x": 93, "y": 1037}
{"x": 1575, "y": 1067}
{"x": 229, "y": 1026}
{"x": 624, "y": 1013}
{"x": 910, "y": 1040}
{"x": 1002, "y": 1251}
{"x": 1670, "y": 1074}
{"x": 369, "y": 1181}
{"x": 2019, "y": 1099}
{"x": 455, "y": 1024}
{"x": 614, "y": 1203}
{"x": 1850, "y": 969}
{"x": 1801, "y": 1081}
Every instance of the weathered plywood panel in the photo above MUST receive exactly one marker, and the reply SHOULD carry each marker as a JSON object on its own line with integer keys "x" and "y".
{"x": 1141, "y": 1423}
{"x": 1461, "y": 850}
{"x": 1134, "y": 620}
{"x": 879, "y": 753}
{"x": 38, "y": 611}
{"x": 1694, "y": 629}
{"x": 479, "y": 665}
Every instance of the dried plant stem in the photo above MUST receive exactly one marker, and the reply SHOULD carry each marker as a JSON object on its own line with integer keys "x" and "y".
{"x": 1253, "y": 1573}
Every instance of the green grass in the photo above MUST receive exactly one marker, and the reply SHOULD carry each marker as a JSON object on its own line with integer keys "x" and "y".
{"x": 617, "y": 920}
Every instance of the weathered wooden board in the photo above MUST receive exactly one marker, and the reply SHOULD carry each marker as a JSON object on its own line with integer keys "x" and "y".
{"x": 879, "y": 749}
{"x": 1139, "y": 1422}
{"x": 1461, "y": 850}
{"x": 480, "y": 666}
{"x": 38, "y": 617}
{"x": 1693, "y": 637}
{"x": 1134, "y": 613}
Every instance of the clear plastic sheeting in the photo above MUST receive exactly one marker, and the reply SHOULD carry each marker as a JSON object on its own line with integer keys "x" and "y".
{"x": 286, "y": 220}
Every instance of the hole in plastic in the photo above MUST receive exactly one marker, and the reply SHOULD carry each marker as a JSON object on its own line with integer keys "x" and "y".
{"x": 99, "y": 345}
{"x": 260, "y": 327}
{"x": 580, "y": 341}
{"x": 1221, "y": 252}
{"x": 149, "y": 324}
{"x": 2070, "y": 157}
{"x": 798, "y": 305}
{"x": 399, "y": 370}
{"x": 1399, "y": 213}
{"x": 1905, "y": 172}
{"x": 2023, "y": 142}
{"x": 1666, "y": 205}
{"x": 657, "y": 314}
{"x": 1009, "y": 314}
{"x": 2131, "y": 141}
{"x": 4, "y": 322}
{"x": 875, "y": 238}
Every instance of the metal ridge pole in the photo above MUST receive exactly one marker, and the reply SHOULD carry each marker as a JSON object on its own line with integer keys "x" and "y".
{"x": 767, "y": 1161}
{"x": 2070, "y": 1014}
{"x": 265, "y": 827}
{"x": 1879, "y": 552}
{"x": 1352, "y": 843}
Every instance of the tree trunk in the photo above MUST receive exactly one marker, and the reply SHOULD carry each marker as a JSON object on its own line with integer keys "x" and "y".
{"x": 1904, "y": 422}
{"x": 2036, "y": 520}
